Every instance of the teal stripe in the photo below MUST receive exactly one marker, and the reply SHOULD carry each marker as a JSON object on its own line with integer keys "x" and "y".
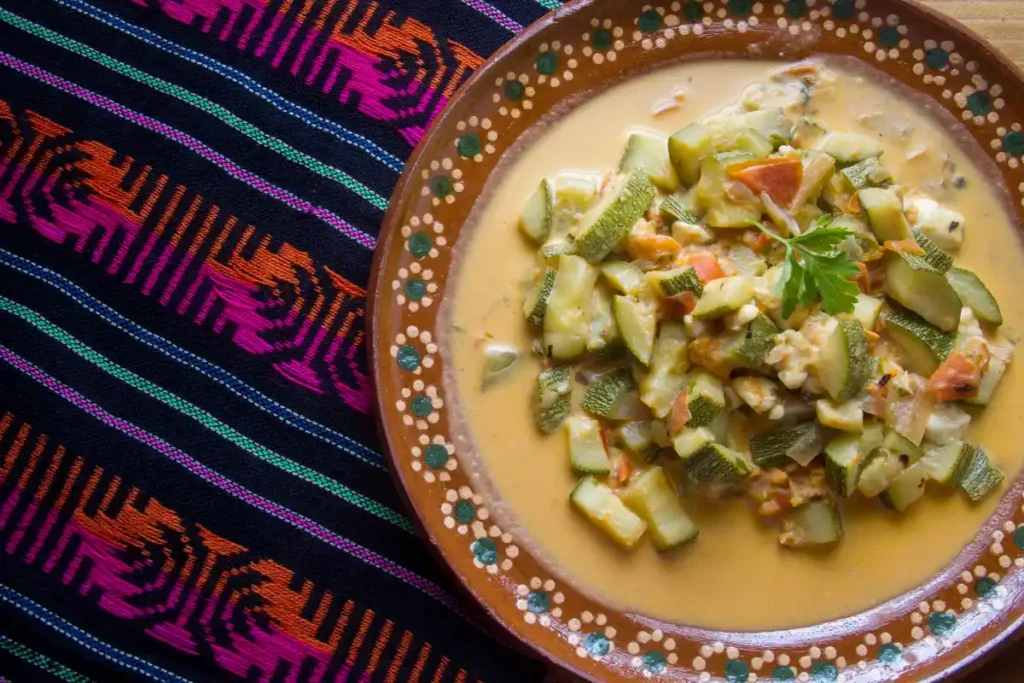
{"x": 228, "y": 118}
{"x": 41, "y": 661}
{"x": 549, "y": 4}
{"x": 190, "y": 410}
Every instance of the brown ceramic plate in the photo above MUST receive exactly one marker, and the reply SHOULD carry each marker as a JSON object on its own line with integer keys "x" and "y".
{"x": 939, "y": 628}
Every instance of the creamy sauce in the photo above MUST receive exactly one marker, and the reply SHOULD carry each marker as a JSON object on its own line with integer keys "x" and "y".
{"x": 735, "y": 576}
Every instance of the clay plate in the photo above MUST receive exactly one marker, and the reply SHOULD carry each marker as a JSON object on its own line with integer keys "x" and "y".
{"x": 941, "y": 627}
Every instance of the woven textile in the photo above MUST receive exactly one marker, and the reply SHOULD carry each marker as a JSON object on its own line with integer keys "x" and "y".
{"x": 191, "y": 485}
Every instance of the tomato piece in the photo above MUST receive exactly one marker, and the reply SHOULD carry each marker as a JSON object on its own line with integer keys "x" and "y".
{"x": 622, "y": 468}
{"x": 652, "y": 247}
{"x": 706, "y": 264}
{"x": 862, "y": 277}
{"x": 779, "y": 178}
{"x": 956, "y": 379}
{"x": 907, "y": 246}
{"x": 680, "y": 414}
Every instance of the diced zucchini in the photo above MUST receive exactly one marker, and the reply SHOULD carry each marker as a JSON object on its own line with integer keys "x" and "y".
{"x": 989, "y": 381}
{"x": 866, "y": 310}
{"x": 672, "y": 211}
{"x": 975, "y": 295}
{"x": 690, "y": 441}
{"x": 949, "y": 463}
{"x": 552, "y": 401}
{"x": 905, "y": 450}
{"x": 847, "y": 417}
{"x": 636, "y": 436}
{"x": 607, "y": 392}
{"x": 606, "y": 511}
{"x": 720, "y": 210}
{"x": 981, "y": 477}
{"x": 723, "y": 296}
{"x": 750, "y": 141}
{"x": 906, "y": 488}
{"x": 536, "y": 303}
{"x": 936, "y": 258}
{"x": 848, "y": 147}
{"x": 638, "y": 324}
{"x": 716, "y": 464}
{"x": 818, "y": 170}
{"x": 867, "y": 173}
{"x": 587, "y": 453}
{"x": 649, "y": 153}
{"x": 922, "y": 347}
{"x": 750, "y": 346}
{"x": 567, "y": 319}
{"x": 745, "y": 261}
{"x": 879, "y": 471}
{"x": 604, "y": 339}
{"x": 885, "y": 214}
{"x": 705, "y": 396}
{"x": 624, "y": 277}
{"x": 575, "y": 191}
{"x": 817, "y": 523}
{"x": 806, "y": 133}
{"x": 539, "y": 212}
{"x": 916, "y": 285}
{"x": 770, "y": 122}
{"x": 844, "y": 459}
{"x": 667, "y": 374}
{"x": 670, "y": 283}
{"x": 784, "y": 445}
{"x": 603, "y": 226}
{"x": 653, "y": 498}
{"x": 760, "y": 393}
{"x": 942, "y": 226}
{"x": 498, "y": 363}
{"x": 550, "y": 252}
{"x": 843, "y": 364}
{"x": 687, "y": 147}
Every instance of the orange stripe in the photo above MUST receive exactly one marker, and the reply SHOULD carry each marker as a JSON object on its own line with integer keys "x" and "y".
{"x": 153, "y": 196}
{"x": 342, "y": 624}
{"x": 378, "y": 648}
{"x": 396, "y": 662}
{"x": 186, "y": 220}
{"x": 97, "y": 472}
{"x": 440, "y": 670}
{"x": 51, "y": 472}
{"x": 5, "y": 423}
{"x": 357, "y": 642}
{"x": 179, "y": 192}
{"x": 421, "y": 663}
{"x": 304, "y": 12}
{"x": 108, "y": 495}
{"x": 203, "y": 231}
{"x": 15, "y": 450}
{"x": 324, "y": 13}
{"x": 32, "y": 460}
{"x": 461, "y": 676}
{"x": 76, "y": 468}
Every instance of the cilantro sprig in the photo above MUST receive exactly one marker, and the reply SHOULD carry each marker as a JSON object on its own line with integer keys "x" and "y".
{"x": 816, "y": 266}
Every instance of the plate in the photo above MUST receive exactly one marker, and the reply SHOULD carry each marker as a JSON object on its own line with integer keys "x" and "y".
{"x": 937, "y": 629}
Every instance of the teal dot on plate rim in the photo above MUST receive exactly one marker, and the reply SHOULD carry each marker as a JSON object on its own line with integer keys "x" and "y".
{"x": 980, "y": 103}
{"x": 783, "y": 673}
{"x": 1013, "y": 144}
{"x": 547, "y": 63}
{"x": 514, "y": 90}
{"x": 693, "y": 11}
{"x": 796, "y": 8}
{"x": 469, "y": 145}
{"x": 602, "y": 39}
{"x": 984, "y": 587}
{"x": 597, "y": 645}
{"x": 736, "y": 671}
{"x": 538, "y": 602}
{"x": 415, "y": 288}
{"x": 941, "y": 623}
{"x": 1018, "y": 536}
{"x": 741, "y": 8}
{"x": 408, "y": 357}
{"x": 888, "y": 653}
{"x": 936, "y": 58}
{"x": 654, "y": 662}
{"x": 485, "y": 550}
{"x": 844, "y": 10}
{"x": 889, "y": 36}
{"x": 823, "y": 672}
{"x": 436, "y": 456}
{"x": 441, "y": 186}
{"x": 464, "y": 512}
{"x": 649, "y": 21}
{"x": 422, "y": 406}
{"x": 419, "y": 244}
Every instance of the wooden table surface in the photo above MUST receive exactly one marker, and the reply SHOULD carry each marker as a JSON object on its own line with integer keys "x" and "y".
{"x": 1002, "y": 23}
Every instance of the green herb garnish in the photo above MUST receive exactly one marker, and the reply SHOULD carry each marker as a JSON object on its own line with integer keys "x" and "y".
{"x": 816, "y": 266}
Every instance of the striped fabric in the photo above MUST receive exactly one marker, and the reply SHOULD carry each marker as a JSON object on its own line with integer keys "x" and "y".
{"x": 191, "y": 487}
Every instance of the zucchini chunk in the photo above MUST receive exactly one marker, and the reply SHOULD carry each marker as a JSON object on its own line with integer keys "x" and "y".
{"x": 885, "y": 214}
{"x": 724, "y": 296}
{"x": 867, "y": 173}
{"x": 608, "y": 392}
{"x": 948, "y": 464}
{"x": 649, "y": 153}
{"x": 552, "y": 400}
{"x": 705, "y": 397}
{"x": 539, "y": 213}
{"x": 866, "y": 310}
{"x": 817, "y": 523}
{"x": 750, "y": 346}
{"x": 716, "y": 464}
{"x": 843, "y": 365}
{"x": 687, "y": 147}
{"x": 760, "y": 393}
{"x": 975, "y": 295}
{"x": 880, "y": 469}
{"x": 587, "y": 453}
{"x": 536, "y": 303}
{"x": 636, "y": 436}
{"x": 844, "y": 460}
{"x": 690, "y": 441}
{"x": 849, "y": 148}
{"x": 672, "y": 211}
{"x": 784, "y": 445}
{"x": 915, "y": 284}
{"x": 624, "y": 277}
{"x": 989, "y": 381}
{"x": 638, "y": 325}
{"x": 603, "y": 226}
{"x": 720, "y": 210}
{"x": 607, "y": 512}
{"x": 847, "y": 417}
{"x": 604, "y": 340}
{"x": 498, "y": 363}
{"x": 981, "y": 477}
{"x": 567, "y": 318}
{"x": 921, "y": 346}
{"x": 906, "y": 488}
{"x": 936, "y": 258}
{"x": 651, "y": 496}
{"x": 667, "y": 375}
{"x": 670, "y": 283}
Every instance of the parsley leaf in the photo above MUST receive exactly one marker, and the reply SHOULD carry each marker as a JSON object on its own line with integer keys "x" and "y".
{"x": 816, "y": 267}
